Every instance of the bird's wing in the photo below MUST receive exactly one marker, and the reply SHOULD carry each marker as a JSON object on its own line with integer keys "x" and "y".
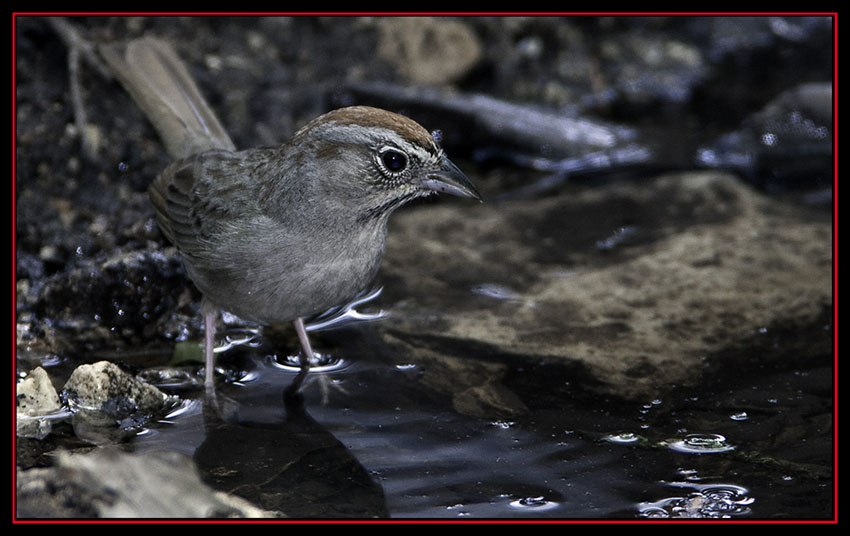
{"x": 196, "y": 197}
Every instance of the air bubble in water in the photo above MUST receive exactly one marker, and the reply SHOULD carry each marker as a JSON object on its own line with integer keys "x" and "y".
{"x": 712, "y": 501}
{"x": 624, "y": 437}
{"x": 319, "y": 363}
{"x": 701, "y": 444}
{"x": 534, "y": 503}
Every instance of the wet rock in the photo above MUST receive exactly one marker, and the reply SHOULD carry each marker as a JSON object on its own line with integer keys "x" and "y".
{"x": 706, "y": 265}
{"x": 95, "y": 386}
{"x": 36, "y": 400}
{"x": 788, "y": 143}
{"x": 428, "y": 50}
{"x": 109, "y": 300}
{"x": 108, "y": 403}
{"x": 108, "y": 483}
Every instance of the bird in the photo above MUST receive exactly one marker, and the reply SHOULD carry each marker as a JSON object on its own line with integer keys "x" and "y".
{"x": 277, "y": 234}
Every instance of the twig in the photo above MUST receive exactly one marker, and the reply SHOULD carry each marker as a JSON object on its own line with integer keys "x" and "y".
{"x": 79, "y": 47}
{"x": 73, "y": 39}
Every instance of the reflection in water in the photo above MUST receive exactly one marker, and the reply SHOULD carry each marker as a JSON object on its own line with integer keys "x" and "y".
{"x": 346, "y": 314}
{"x": 292, "y": 465}
{"x": 385, "y": 442}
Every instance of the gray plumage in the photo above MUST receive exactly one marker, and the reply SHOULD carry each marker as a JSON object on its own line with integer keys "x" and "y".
{"x": 278, "y": 234}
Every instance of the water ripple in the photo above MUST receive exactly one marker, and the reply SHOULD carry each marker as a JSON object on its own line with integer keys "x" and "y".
{"x": 712, "y": 501}
{"x": 700, "y": 444}
{"x": 536, "y": 504}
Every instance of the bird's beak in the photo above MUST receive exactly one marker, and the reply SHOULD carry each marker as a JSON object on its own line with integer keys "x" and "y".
{"x": 449, "y": 179}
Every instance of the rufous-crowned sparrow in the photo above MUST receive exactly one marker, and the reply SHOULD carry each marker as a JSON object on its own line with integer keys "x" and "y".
{"x": 280, "y": 233}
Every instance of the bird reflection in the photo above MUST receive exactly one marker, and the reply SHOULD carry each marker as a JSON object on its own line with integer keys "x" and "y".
{"x": 294, "y": 466}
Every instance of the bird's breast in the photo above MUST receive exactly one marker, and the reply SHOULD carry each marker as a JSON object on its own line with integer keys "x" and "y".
{"x": 278, "y": 276}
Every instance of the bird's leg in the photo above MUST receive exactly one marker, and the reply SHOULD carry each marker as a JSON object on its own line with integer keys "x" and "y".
{"x": 306, "y": 349}
{"x": 305, "y": 357}
{"x": 210, "y": 317}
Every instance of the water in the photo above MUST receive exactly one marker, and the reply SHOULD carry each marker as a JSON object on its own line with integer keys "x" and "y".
{"x": 369, "y": 438}
{"x": 383, "y": 435}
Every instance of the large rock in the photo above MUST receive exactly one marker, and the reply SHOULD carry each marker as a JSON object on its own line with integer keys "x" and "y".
{"x": 634, "y": 282}
{"x": 108, "y": 483}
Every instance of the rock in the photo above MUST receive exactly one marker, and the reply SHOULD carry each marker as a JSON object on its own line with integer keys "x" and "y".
{"x": 96, "y": 386}
{"x": 102, "y": 396}
{"x": 108, "y": 483}
{"x": 428, "y": 50}
{"x": 36, "y": 401}
{"x": 788, "y": 143}
{"x": 634, "y": 282}
{"x": 119, "y": 298}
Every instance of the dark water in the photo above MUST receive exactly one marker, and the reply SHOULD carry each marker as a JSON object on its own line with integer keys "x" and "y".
{"x": 367, "y": 438}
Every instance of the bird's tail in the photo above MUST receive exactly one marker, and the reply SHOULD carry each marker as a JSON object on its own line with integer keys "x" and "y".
{"x": 163, "y": 88}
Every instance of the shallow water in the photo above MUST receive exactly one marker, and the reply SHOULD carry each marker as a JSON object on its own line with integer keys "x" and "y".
{"x": 367, "y": 438}
{"x": 380, "y": 435}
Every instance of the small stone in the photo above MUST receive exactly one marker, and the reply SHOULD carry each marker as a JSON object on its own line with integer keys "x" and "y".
{"x": 36, "y": 398}
{"x": 105, "y": 387}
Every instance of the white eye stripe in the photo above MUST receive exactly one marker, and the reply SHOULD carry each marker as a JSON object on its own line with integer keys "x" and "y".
{"x": 388, "y": 139}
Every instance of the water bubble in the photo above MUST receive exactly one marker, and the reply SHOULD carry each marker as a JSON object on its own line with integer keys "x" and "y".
{"x": 459, "y": 508}
{"x": 741, "y": 416}
{"x": 769, "y": 138}
{"x": 504, "y": 425}
{"x": 319, "y": 363}
{"x": 712, "y": 501}
{"x": 537, "y": 504}
{"x": 700, "y": 444}
{"x": 623, "y": 437}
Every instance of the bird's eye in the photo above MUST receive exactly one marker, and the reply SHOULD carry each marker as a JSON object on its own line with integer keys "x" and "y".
{"x": 394, "y": 161}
